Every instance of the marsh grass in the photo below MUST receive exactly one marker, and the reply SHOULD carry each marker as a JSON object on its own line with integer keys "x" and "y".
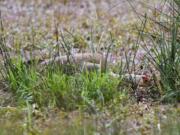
{"x": 164, "y": 54}
{"x": 168, "y": 58}
{"x": 55, "y": 88}
{"x": 57, "y": 85}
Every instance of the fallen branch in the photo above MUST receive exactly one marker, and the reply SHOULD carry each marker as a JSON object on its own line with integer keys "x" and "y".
{"x": 90, "y": 60}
